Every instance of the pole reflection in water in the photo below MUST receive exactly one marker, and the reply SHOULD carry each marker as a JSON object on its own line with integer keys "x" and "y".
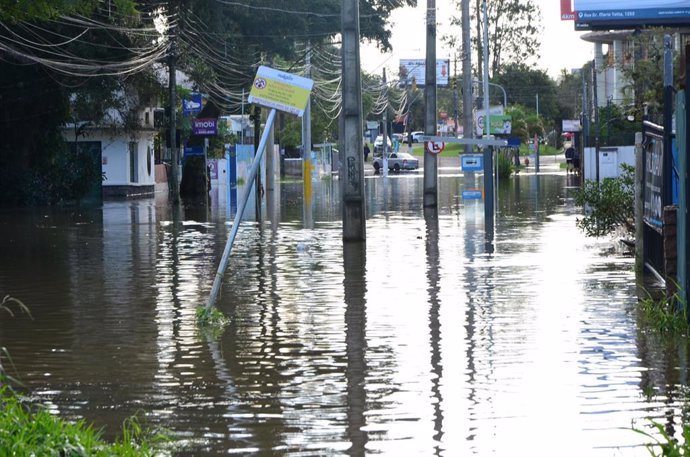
{"x": 355, "y": 289}
{"x": 433, "y": 278}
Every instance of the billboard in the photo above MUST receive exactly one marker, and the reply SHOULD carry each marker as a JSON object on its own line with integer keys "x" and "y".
{"x": 416, "y": 68}
{"x": 571, "y": 125}
{"x": 625, "y": 14}
{"x": 500, "y": 123}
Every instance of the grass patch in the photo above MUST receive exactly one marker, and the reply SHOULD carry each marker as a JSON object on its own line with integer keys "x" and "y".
{"x": 31, "y": 430}
{"x": 665, "y": 316}
{"x": 664, "y": 444}
{"x": 211, "y": 321}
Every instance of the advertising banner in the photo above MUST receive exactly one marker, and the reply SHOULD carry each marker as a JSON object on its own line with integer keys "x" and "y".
{"x": 205, "y": 126}
{"x": 280, "y": 90}
{"x": 501, "y": 124}
{"x": 623, "y": 14}
{"x": 653, "y": 184}
{"x": 571, "y": 125}
{"x": 416, "y": 68}
{"x": 193, "y": 105}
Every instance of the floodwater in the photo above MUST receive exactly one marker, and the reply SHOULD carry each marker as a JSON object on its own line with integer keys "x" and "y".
{"x": 426, "y": 340}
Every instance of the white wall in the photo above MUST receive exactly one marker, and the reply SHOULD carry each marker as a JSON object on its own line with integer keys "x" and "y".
{"x": 610, "y": 160}
{"x": 115, "y": 155}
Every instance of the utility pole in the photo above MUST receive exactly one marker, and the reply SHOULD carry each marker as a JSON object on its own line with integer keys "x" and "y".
{"x": 488, "y": 150}
{"x": 597, "y": 125}
{"x": 430, "y": 160}
{"x": 306, "y": 150}
{"x": 467, "y": 121}
{"x": 352, "y": 165}
{"x": 384, "y": 154}
{"x": 258, "y": 190}
{"x": 172, "y": 89}
{"x": 455, "y": 95}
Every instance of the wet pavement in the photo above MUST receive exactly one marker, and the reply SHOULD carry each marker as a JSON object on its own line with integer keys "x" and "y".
{"x": 426, "y": 340}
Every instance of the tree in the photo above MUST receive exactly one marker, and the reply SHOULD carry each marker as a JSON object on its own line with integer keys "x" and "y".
{"x": 41, "y": 10}
{"x": 514, "y": 27}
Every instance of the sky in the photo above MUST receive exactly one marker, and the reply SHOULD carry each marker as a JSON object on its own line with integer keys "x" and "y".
{"x": 561, "y": 45}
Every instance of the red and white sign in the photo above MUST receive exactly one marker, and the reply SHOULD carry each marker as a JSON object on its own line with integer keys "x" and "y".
{"x": 567, "y": 13}
{"x": 435, "y": 147}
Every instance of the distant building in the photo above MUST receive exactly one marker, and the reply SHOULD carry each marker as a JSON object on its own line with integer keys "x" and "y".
{"x": 611, "y": 83}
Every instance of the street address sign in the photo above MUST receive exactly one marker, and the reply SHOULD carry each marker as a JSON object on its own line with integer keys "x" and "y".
{"x": 435, "y": 147}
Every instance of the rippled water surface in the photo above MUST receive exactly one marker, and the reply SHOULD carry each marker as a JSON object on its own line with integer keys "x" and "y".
{"x": 426, "y": 340}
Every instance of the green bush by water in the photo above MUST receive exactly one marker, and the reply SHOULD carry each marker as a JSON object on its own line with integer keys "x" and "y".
{"x": 30, "y": 430}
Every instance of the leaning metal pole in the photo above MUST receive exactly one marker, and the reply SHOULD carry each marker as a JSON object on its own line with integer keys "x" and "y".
{"x": 215, "y": 290}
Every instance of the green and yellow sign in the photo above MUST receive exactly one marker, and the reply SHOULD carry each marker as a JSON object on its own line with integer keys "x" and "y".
{"x": 280, "y": 90}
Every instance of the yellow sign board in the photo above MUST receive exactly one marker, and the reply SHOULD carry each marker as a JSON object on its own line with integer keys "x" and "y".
{"x": 280, "y": 90}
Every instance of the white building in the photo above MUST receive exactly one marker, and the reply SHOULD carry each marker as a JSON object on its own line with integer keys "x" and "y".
{"x": 125, "y": 155}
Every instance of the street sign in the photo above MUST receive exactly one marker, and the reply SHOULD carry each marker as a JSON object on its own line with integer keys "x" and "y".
{"x": 435, "y": 147}
{"x": 472, "y": 194}
{"x": 280, "y": 90}
{"x": 471, "y": 162}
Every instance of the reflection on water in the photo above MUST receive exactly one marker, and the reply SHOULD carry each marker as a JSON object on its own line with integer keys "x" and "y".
{"x": 426, "y": 340}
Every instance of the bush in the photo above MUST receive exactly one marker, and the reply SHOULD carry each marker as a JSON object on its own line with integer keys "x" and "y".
{"x": 609, "y": 205}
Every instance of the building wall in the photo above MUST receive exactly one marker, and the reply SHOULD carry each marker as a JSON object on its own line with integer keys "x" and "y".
{"x": 115, "y": 161}
{"x": 610, "y": 160}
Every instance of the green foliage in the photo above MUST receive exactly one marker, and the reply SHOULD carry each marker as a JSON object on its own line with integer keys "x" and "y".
{"x": 40, "y": 10}
{"x": 514, "y": 28}
{"x": 663, "y": 443}
{"x": 211, "y": 321}
{"x": 27, "y": 429}
{"x": 504, "y": 165}
{"x": 665, "y": 316}
{"x": 525, "y": 123}
{"x": 609, "y": 205}
{"x": 522, "y": 83}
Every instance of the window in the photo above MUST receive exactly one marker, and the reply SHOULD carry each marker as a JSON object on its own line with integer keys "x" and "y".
{"x": 133, "y": 161}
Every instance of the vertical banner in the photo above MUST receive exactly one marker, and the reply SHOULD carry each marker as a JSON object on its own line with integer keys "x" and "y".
{"x": 567, "y": 13}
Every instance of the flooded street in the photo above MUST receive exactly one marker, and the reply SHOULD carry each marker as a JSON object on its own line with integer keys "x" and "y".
{"x": 426, "y": 340}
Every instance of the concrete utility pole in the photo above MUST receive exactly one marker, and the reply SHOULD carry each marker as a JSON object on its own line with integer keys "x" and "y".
{"x": 488, "y": 150}
{"x": 597, "y": 125}
{"x": 456, "y": 111}
{"x": 306, "y": 150}
{"x": 430, "y": 160}
{"x": 174, "y": 153}
{"x": 384, "y": 154}
{"x": 352, "y": 165}
{"x": 467, "y": 121}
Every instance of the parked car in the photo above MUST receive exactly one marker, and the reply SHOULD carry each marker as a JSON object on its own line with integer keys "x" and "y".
{"x": 378, "y": 145}
{"x": 416, "y": 135}
{"x": 397, "y": 161}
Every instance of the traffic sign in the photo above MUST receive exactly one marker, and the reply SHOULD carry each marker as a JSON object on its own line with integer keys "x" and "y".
{"x": 471, "y": 162}
{"x": 435, "y": 147}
